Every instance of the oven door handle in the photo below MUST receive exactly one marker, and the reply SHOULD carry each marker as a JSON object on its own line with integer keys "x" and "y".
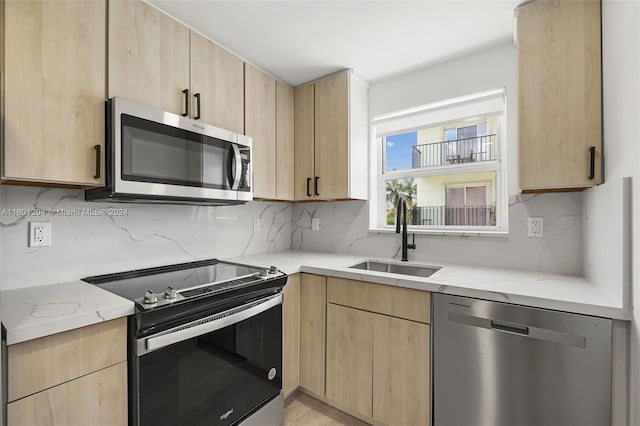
{"x": 207, "y": 324}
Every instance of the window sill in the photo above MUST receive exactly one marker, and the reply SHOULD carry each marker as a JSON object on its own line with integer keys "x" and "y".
{"x": 445, "y": 233}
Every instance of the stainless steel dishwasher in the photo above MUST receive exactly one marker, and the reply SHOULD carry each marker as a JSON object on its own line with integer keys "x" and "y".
{"x": 504, "y": 365}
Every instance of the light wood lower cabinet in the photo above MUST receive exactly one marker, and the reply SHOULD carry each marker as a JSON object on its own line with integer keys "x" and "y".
{"x": 349, "y": 358}
{"x": 39, "y": 364}
{"x": 78, "y": 377}
{"x": 313, "y": 314}
{"x": 291, "y": 335}
{"x": 401, "y": 373}
{"x": 378, "y": 352}
{"x": 97, "y": 399}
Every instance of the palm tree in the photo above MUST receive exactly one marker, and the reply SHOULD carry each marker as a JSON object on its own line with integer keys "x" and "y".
{"x": 397, "y": 188}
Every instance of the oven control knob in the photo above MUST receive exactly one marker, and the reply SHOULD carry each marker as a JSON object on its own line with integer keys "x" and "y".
{"x": 150, "y": 298}
{"x": 264, "y": 272}
{"x": 273, "y": 270}
{"x": 170, "y": 293}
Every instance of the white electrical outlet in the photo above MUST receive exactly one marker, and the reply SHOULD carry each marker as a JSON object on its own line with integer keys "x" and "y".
{"x": 256, "y": 224}
{"x": 39, "y": 234}
{"x": 536, "y": 227}
{"x": 315, "y": 224}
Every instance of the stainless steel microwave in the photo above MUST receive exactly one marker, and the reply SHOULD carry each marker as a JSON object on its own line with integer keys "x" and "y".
{"x": 154, "y": 156}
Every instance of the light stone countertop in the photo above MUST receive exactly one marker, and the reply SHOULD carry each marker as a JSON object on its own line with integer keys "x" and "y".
{"x": 33, "y": 312}
{"x": 549, "y": 291}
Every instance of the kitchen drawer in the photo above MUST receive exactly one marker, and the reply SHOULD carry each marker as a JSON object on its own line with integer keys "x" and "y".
{"x": 98, "y": 399}
{"x": 398, "y": 302}
{"x": 42, "y": 363}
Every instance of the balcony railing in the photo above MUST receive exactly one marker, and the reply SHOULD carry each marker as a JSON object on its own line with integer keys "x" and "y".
{"x": 454, "y": 216}
{"x": 480, "y": 148}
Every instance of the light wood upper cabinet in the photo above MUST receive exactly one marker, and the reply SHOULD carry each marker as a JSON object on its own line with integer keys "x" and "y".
{"x": 54, "y": 91}
{"x": 334, "y": 139}
{"x": 217, "y": 77}
{"x": 260, "y": 124}
{"x": 304, "y": 137}
{"x": 291, "y": 335}
{"x": 313, "y": 315}
{"x": 350, "y": 358}
{"x": 560, "y": 94}
{"x": 401, "y": 373}
{"x": 284, "y": 142}
{"x": 331, "y": 147}
{"x": 148, "y": 56}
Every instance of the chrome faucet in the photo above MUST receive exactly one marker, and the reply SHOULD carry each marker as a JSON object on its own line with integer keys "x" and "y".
{"x": 402, "y": 214}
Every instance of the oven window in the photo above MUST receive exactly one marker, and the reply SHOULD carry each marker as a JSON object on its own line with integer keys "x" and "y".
{"x": 214, "y": 379}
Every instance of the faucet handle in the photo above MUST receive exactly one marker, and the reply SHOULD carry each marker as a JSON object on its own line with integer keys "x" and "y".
{"x": 413, "y": 242}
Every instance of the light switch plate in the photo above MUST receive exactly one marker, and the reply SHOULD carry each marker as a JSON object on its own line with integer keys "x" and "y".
{"x": 315, "y": 224}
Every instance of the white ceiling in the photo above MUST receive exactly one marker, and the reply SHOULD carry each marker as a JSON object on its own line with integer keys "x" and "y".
{"x": 299, "y": 41}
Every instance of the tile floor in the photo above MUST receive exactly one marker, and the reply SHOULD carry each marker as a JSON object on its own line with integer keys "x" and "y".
{"x": 304, "y": 410}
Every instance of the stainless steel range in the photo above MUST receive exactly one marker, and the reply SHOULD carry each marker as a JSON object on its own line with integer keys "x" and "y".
{"x": 205, "y": 343}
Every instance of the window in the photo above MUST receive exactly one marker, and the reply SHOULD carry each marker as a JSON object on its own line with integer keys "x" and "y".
{"x": 447, "y": 161}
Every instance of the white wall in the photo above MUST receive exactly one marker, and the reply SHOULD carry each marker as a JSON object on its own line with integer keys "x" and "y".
{"x": 148, "y": 235}
{"x": 621, "y": 80}
{"x": 489, "y": 69}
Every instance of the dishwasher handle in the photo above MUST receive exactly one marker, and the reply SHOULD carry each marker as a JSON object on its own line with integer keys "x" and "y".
{"x": 510, "y": 328}
{"x": 530, "y": 332}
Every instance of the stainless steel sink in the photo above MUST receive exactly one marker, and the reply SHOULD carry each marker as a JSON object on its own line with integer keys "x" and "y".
{"x": 395, "y": 268}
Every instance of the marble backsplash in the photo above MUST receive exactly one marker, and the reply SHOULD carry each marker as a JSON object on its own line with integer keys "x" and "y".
{"x": 96, "y": 238}
{"x": 344, "y": 229}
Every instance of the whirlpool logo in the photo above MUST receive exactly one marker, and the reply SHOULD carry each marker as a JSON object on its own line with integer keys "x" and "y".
{"x": 227, "y": 414}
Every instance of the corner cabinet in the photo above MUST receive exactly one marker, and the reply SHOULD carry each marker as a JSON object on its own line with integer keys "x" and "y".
{"x": 269, "y": 122}
{"x": 74, "y": 378}
{"x": 156, "y": 61}
{"x": 313, "y": 331}
{"x": 54, "y": 90}
{"x": 331, "y": 139}
{"x": 560, "y": 95}
{"x": 260, "y": 124}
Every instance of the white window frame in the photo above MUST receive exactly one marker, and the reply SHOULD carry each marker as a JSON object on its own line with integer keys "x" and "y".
{"x": 377, "y": 190}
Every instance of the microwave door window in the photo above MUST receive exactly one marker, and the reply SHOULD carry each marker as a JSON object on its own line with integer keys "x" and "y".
{"x": 217, "y": 164}
{"x": 158, "y": 154}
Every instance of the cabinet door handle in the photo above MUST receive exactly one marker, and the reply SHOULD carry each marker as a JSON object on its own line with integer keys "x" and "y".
{"x": 592, "y": 163}
{"x": 186, "y": 103}
{"x": 97, "y": 175}
{"x": 315, "y": 185}
{"x": 308, "y": 182}
{"x": 197, "y": 116}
